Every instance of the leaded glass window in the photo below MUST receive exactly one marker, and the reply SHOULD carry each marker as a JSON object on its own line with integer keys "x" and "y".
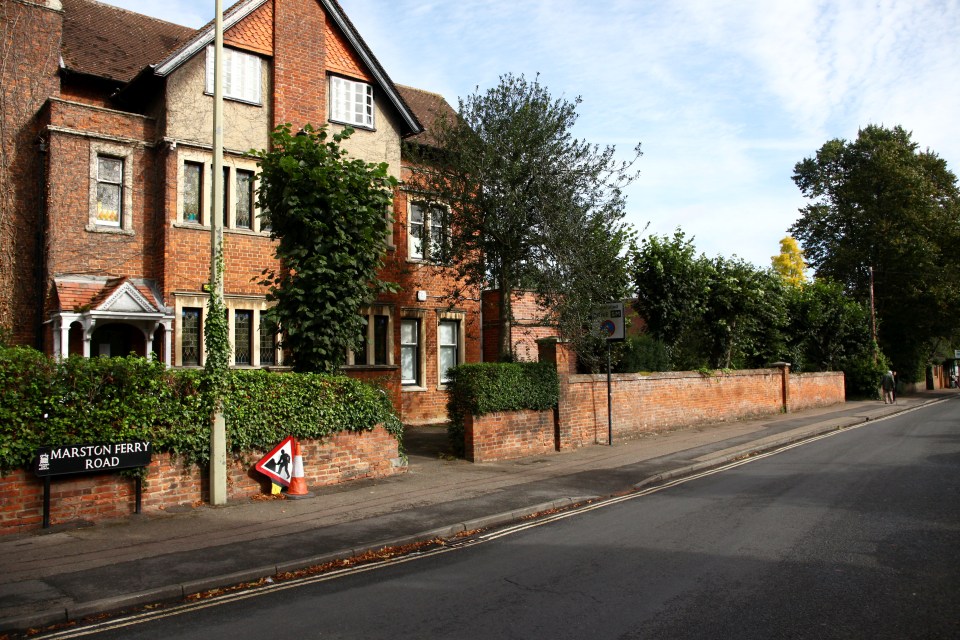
{"x": 109, "y": 191}
{"x": 192, "y": 191}
{"x": 190, "y": 332}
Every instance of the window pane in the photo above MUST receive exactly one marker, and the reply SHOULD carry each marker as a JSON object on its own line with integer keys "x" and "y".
{"x": 241, "y": 75}
{"x": 448, "y": 360}
{"x": 409, "y": 351}
{"x": 449, "y": 336}
{"x": 108, "y": 204}
{"x": 408, "y": 365}
{"x": 192, "y": 189}
{"x": 415, "y": 231}
{"x": 110, "y": 170}
{"x": 408, "y": 332}
{"x": 244, "y": 216}
{"x": 380, "y": 326}
{"x": 190, "y": 338}
{"x": 448, "y": 332}
{"x": 226, "y": 197}
{"x": 351, "y": 101}
{"x": 268, "y": 343}
{"x": 242, "y": 335}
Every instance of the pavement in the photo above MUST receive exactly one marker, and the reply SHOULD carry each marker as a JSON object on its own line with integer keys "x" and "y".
{"x": 68, "y": 573}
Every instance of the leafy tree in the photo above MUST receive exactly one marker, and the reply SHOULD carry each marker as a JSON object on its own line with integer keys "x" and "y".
{"x": 879, "y": 202}
{"x": 744, "y": 314}
{"x": 826, "y": 327}
{"x": 671, "y": 285}
{"x": 328, "y": 213}
{"x": 789, "y": 263}
{"x": 531, "y": 207}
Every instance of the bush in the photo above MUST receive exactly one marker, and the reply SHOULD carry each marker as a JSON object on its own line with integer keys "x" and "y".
{"x": 477, "y": 389}
{"x": 862, "y": 375}
{"x": 94, "y": 400}
{"x": 643, "y": 353}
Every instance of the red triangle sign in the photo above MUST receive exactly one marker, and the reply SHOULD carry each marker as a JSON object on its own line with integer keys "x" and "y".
{"x": 278, "y": 464}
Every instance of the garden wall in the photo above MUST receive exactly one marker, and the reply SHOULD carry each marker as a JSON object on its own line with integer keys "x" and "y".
{"x": 642, "y": 403}
{"x": 507, "y": 435}
{"x": 169, "y": 483}
{"x": 811, "y": 390}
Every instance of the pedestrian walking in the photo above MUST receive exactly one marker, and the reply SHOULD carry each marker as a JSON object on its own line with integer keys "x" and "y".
{"x": 889, "y": 386}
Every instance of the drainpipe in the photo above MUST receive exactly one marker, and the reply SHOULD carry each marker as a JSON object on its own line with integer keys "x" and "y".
{"x": 40, "y": 268}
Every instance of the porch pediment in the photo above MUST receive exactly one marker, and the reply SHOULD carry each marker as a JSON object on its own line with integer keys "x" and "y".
{"x": 127, "y": 299}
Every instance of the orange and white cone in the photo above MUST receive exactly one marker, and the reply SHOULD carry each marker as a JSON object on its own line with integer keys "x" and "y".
{"x": 298, "y": 485}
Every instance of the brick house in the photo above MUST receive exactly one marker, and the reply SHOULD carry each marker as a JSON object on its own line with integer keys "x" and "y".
{"x": 107, "y": 160}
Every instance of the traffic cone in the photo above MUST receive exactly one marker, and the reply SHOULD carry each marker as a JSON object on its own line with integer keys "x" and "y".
{"x": 298, "y": 485}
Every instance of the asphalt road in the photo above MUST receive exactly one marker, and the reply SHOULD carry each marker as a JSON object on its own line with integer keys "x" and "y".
{"x": 856, "y": 535}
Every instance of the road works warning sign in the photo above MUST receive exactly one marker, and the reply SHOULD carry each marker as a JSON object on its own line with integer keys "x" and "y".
{"x": 278, "y": 464}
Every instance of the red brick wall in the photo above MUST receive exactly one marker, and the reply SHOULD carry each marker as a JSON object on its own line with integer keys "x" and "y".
{"x": 512, "y": 434}
{"x": 96, "y": 497}
{"x": 29, "y": 38}
{"x": 809, "y": 390}
{"x": 527, "y": 328}
{"x": 641, "y": 403}
{"x": 644, "y": 403}
{"x": 300, "y": 86}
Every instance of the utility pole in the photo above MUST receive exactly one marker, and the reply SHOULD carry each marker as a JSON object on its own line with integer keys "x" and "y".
{"x": 873, "y": 319}
{"x": 218, "y": 430}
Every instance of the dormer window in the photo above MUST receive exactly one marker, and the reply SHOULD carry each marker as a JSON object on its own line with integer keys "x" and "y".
{"x": 241, "y": 75}
{"x": 351, "y": 102}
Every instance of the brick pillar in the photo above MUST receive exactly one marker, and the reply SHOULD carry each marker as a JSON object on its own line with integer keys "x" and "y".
{"x": 784, "y": 384}
{"x": 562, "y": 356}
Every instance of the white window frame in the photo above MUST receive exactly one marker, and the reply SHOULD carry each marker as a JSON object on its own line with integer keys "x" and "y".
{"x": 351, "y": 102}
{"x": 416, "y": 348}
{"x": 448, "y": 347}
{"x": 124, "y": 154}
{"x": 425, "y": 231}
{"x": 242, "y": 75}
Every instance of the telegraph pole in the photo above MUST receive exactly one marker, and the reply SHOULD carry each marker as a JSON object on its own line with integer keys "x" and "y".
{"x": 873, "y": 318}
{"x": 218, "y": 430}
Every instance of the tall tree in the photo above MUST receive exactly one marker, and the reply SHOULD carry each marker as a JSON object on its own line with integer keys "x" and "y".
{"x": 328, "y": 213}
{"x": 531, "y": 207}
{"x": 879, "y": 204}
{"x": 789, "y": 263}
{"x": 671, "y": 286}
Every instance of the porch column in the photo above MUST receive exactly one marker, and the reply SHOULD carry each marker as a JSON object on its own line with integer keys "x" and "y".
{"x": 62, "y": 339}
{"x": 167, "y": 341}
{"x": 148, "y": 340}
{"x": 88, "y": 326}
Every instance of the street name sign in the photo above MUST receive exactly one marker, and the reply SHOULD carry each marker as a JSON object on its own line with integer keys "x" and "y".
{"x": 59, "y": 460}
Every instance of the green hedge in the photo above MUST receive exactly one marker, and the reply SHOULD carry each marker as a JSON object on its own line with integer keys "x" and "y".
{"x": 113, "y": 399}
{"x": 476, "y": 389}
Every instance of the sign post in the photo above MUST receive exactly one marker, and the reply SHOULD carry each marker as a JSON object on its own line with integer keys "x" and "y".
{"x": 610, "y": 321}
{"x": 58, "y": 460}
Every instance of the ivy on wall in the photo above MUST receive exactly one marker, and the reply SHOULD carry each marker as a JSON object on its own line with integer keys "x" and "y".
{"x": 88, "y": 400}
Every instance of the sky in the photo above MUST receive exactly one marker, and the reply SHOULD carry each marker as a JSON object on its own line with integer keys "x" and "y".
{"x": 725, "y": 96}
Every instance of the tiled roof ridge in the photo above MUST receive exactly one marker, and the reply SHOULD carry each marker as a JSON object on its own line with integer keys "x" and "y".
{"x": 426, "y": 91}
